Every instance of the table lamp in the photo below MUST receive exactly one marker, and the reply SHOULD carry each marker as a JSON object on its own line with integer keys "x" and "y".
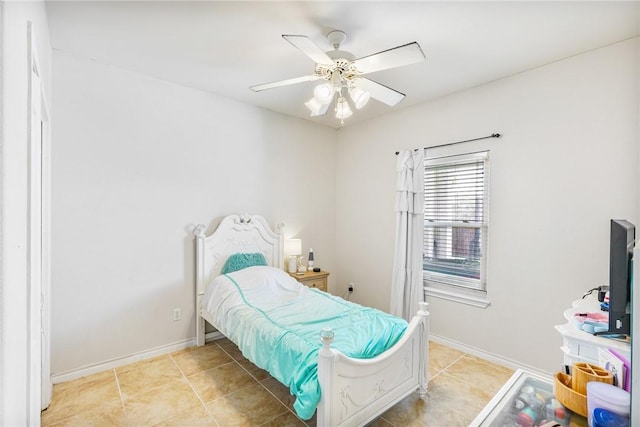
{"x": 293, "y": 247}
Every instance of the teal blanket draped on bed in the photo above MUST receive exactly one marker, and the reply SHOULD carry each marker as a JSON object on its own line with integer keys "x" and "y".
{"x": 276, "y": 323}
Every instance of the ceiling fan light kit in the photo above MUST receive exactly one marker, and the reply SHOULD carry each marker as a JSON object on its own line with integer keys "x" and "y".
{"x": 340, "y": 70}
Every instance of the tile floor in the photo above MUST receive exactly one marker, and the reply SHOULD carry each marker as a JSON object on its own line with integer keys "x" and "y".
{"x": 215, "y": 386}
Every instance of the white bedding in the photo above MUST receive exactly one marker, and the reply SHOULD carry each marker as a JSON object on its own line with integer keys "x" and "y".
{"x": 266, "y": 286}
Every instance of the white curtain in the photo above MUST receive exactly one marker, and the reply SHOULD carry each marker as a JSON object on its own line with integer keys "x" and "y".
{"x": 406, "y": 287}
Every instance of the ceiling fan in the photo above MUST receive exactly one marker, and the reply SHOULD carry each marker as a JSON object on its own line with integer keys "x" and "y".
{"x": 344, "y": 74}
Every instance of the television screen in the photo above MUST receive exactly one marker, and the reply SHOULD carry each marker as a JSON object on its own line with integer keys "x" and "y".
{"x": 622, "y": 242}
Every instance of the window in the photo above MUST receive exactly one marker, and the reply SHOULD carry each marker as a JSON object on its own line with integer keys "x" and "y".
{"x": 455, "y": 227}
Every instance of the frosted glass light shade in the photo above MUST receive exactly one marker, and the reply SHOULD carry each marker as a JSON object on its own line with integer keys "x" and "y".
{"x": 293, "y": 247}
{"x": 359, "y": 97}
{"x": 323, "y": 93}
{"x": 342, "y": 109}
{"x": 314, "y": 106}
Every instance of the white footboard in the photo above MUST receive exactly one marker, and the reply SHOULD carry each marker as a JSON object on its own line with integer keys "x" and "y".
{"x": 356, "y": 391}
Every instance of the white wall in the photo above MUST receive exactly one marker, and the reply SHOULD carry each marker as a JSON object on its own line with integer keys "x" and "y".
{"x": 15, "y": 406}
{"x": 568, "y": 162}
{"x": 137, "y": 163}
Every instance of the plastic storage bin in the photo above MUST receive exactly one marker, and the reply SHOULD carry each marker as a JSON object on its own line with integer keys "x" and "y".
{"x": 608, "y": 397}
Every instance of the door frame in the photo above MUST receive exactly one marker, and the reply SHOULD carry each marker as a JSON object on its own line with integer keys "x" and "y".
{"x": 38, "y": 237}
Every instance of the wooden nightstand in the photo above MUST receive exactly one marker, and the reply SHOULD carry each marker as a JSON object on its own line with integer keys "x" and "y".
{"x": 312, "y": 279}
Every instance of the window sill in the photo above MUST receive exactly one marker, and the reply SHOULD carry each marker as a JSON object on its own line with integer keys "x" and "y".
{"x": 469, "y": 297}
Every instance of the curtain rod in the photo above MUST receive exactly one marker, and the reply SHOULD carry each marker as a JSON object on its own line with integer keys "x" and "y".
{"x": 493, "y": 135}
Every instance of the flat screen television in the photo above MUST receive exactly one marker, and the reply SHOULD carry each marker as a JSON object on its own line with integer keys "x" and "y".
{"x": 622, "y": 242}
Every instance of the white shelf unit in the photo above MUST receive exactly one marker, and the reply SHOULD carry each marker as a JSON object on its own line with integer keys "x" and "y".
{"x": 581, "y": 346}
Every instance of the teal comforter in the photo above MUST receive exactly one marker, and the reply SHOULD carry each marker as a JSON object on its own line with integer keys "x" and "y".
{"x": 276, "y": 323}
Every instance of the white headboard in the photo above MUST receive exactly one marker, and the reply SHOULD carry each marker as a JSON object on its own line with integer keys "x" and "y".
{"x": 235, "y": 234}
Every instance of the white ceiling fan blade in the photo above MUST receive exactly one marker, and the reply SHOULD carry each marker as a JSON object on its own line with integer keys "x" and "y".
{"x": 309, "y": 48}
{"x": 395, "y": 57}
{"x": 265, "y": 86}
{"x": 378, "y": 91}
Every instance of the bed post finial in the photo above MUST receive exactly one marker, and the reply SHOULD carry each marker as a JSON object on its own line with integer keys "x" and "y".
{"x": 423, "y": 309}
{"x": 326, "y": 336}
{"x": 199, "y": 230}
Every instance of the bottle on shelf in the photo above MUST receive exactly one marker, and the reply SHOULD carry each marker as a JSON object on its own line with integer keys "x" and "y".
{"x": 310, "y": 260}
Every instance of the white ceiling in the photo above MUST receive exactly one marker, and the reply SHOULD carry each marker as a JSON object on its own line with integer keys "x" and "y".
{"x": 225, "y": 47}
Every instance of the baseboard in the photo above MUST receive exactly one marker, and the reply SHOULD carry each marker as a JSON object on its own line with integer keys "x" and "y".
{"x": 94, "y": 368}
{"x": 499, "y": 360}
{"x": 212, "y": 336}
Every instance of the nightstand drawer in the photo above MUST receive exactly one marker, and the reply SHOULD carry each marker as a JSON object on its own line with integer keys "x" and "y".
{"x": 317, "y": 283}
{"x": 313, "y": 279}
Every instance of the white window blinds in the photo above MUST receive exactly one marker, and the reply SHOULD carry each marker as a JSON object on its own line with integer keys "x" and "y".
{"x": 455, "y": 220}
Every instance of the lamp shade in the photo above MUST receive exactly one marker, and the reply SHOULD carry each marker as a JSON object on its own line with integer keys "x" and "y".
{"x": 293, "y": 247}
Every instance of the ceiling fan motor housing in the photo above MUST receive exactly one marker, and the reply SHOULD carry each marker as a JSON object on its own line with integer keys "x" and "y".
{"x": 342, "y": 67}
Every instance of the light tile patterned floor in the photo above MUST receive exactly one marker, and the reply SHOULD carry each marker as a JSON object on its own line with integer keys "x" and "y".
{"x": 215, "y": 386}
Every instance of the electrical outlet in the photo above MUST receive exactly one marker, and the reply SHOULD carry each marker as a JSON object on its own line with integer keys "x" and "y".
{"x": 351, "y": 287}
{"x": 177, "y": 314}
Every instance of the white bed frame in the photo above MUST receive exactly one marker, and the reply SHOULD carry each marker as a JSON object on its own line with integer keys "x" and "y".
{"x": 354, "y": 391}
